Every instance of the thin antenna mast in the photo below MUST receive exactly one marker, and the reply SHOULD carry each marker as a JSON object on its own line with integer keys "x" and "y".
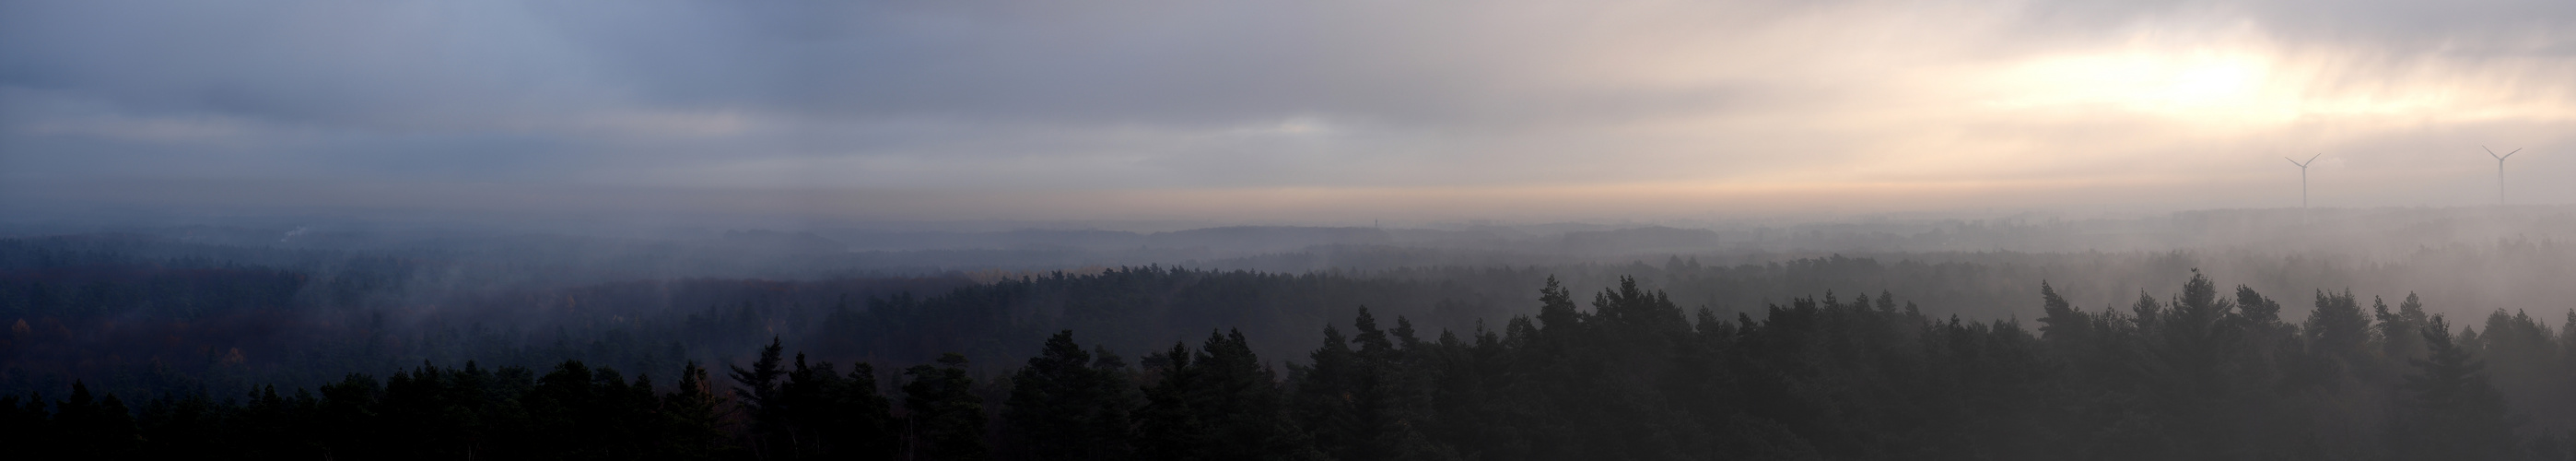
{"x": 2303, "y": 176}
{"x": 2500, "y": 171}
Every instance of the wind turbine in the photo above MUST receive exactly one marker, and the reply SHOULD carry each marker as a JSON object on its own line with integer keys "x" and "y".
{"x": 2500, "y": 171}
{"x": 2303, "y": 176}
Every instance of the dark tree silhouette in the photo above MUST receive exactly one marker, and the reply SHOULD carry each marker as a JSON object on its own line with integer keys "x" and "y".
{"x": 945, "y": 419}
{"x": 2449, "y": 411}
{"x": 1068, "y": 404}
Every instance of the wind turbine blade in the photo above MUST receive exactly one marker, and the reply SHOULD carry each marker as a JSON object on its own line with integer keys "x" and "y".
{"x": 2313, "y": 158}
{"x": 2294, "y": 162}
{"x": 2507, "y": 155}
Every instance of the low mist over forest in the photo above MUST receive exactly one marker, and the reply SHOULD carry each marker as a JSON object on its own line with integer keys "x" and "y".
{"x": 2322, "y": 316}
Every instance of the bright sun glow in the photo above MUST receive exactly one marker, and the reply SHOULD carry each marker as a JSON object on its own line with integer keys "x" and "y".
{"x": 2242, "y": 88}
{"x": 2191, "y": 84}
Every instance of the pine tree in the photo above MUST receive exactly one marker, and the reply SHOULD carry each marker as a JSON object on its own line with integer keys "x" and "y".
{"x": 280, "y": 427}
{"x": 1117, "y": 388}
{"x": 1169, "y": 427}
{"x": 175, "y": 426}
{"x": 2400, "y": 331}
{"x": 808, "y": 409}
{"x": 1364, "y": 404}
{"x": 1389, "y": 409}
{"x": 2449, "y": 411}
{"x": 349, "y": 415}
{"x": 1220, "y": 403}
{"x": 1240, "y": 398}
{"x": 946, "y": 418}
{"x": 865, "y": 419}
{"x": 1063, "y": 406}
{"x": 571, "y": 418}
{"x": 94, "y": 428}
{"x": 27, "y": 427}
{"x": 2257, "y": 310}
{"x": 2337, "y": 328}
{"x": 1324, "y": 402}
{"x": 757, "y": 391}
{"x": 2060, "y": 323}
{"x": 1556, "y": 309}
{"x": 690, "y": 419}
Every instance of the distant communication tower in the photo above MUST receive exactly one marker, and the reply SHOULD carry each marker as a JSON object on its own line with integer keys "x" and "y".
{"x": 2303, "y": 176}
{"x": 2500, "y": 171}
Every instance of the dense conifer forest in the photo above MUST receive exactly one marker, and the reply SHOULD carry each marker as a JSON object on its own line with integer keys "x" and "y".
{"x": 2204, "y": 375}
{"x": 133, "y": 354}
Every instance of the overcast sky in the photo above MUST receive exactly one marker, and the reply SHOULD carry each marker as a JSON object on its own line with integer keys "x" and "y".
{"x": 1291, "y": 111}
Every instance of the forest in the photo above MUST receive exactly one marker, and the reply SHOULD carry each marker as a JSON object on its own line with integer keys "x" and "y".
{"x": 141, "y": 348}
{"x": 2205, "y": 374}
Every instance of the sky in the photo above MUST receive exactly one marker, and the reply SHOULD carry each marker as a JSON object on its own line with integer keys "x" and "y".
{"x": 1316, "y": 112}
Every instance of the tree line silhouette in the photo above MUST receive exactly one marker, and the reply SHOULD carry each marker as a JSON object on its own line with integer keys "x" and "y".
{"x": 138, "y": 316}
{"x": 2200, "y": 375}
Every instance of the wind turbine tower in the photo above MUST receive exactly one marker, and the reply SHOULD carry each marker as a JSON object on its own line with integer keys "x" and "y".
{"x": 2500, "y": 171}
{"x": 2303, "y": 176}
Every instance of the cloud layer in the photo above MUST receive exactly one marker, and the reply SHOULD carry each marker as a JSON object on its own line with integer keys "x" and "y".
{"x": 1289, "y": 110}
